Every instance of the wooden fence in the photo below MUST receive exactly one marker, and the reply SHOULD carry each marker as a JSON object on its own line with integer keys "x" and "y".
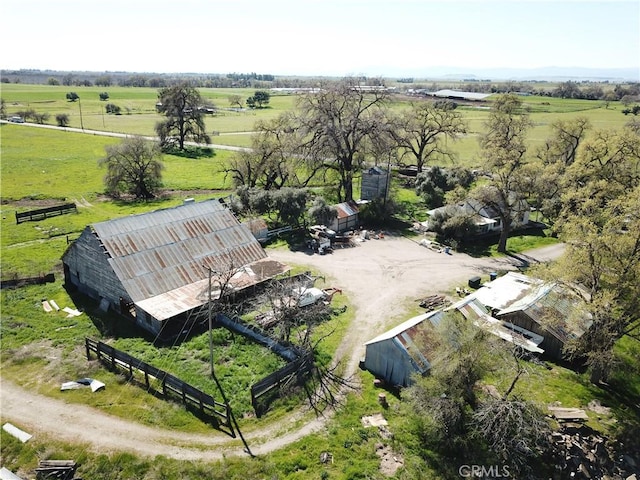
{"x": 20, "y": 282}
{"x": 190, "y": 396}
{"x": 42, "y": 213}
{"x": 272, "y": 386}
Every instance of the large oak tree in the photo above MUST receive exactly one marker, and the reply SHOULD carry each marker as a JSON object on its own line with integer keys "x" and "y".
{"x": 181, "y": 105}
{"x": 134, "y": 166}
{"x": 503, "y": 149}
{"x": 422, "y": 130}
{"x": 337, "y": 124}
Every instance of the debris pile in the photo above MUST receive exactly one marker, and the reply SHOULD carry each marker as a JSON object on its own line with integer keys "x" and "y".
{"x": 434, "y": 302}
{"x": 582, "y": 453}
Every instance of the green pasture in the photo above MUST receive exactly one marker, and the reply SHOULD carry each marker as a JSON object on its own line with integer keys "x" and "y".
{"x": 138, "y": 113}
{"x": 44, "y": 166}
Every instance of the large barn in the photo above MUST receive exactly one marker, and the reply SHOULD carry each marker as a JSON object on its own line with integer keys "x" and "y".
{"x": 154, "y": 267}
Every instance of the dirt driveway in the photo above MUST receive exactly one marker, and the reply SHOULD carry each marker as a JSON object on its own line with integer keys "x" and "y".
{"x": 381, "y": 277}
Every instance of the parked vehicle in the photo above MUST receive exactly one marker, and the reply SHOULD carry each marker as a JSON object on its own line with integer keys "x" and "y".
{"x": 321, "y": 231}
{"x": 308, "y": 295}
{"x": 16, "y": 119}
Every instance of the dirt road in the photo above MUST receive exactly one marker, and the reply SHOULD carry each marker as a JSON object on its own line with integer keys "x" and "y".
{"x": 381, "y": 278}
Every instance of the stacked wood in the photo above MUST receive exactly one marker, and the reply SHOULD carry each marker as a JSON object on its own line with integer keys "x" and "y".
{"x": 434, "y": 302}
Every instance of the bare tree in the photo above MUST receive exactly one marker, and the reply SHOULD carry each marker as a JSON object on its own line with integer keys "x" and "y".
{"x": 515, "y": 430}
{"x": 422, "y": 131}
{"x": 337, "y": 123}
{"x": 273, "y": 160}
{"x": 295, "y": 324}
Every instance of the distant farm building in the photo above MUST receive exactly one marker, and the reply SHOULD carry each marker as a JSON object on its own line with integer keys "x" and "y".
{"x": 486, "y": 218}
{"x": 154, "y": 267}
{"x": 460, "y": 95}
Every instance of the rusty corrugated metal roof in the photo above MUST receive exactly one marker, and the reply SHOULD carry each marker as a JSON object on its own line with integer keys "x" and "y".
{"x": 162, "y": 255}
{"x": 347, "y": 209}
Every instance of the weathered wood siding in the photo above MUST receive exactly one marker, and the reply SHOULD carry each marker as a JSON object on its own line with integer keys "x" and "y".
{"x": 552, "y": 345}
{"x": 87, "y": 268}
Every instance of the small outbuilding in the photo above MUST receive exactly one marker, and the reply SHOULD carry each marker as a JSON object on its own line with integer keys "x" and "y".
{"x": 347, "y": 218}
{"x": 402, "y": 352}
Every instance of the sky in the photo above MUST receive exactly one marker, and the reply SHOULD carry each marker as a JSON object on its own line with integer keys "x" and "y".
{"x": 317, "y": 37}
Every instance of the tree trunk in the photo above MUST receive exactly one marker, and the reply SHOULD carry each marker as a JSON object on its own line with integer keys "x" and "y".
{"x": 504, "y": 235}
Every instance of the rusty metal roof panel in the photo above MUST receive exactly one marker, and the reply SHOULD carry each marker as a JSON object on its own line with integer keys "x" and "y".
{"x": 165, "y": 250}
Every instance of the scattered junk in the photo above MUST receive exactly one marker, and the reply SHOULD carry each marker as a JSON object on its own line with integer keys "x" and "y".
{"x": 305, "y": 296}
{"x": 56, "y": 469}
{"x": 568, "y": 414}
{"x": 435, "y": 246}
{"x": 309, "y": 295}
{"x": 462, "y": 292}
{"x": 317, "y": 231}
{"x": 94, "y": 384}
{"x": 51, "y": 305}
{"x": 390, "y": 461}
{"x": 72, "y": 312}
{"x": 375, "y": 420}
{"x": 16, "y": 432}
{"x": 326, "y": 457}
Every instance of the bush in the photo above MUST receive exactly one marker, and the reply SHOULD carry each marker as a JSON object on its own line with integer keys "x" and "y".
{"x": 112, "y": 109}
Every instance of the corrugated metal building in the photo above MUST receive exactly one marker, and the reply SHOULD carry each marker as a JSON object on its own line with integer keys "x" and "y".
{"x": 404, "y": 351}
{"x": 547, "y": 309}
{"x": 374, "y": 183}
{"x": 154, "y": 266}
{"x": 398, "y": 354}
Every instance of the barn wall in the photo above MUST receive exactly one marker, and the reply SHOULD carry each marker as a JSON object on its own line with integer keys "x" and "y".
{"x": 551, "y": 345}
{"x": 86, "y": 267}
{"x": 146, "y": 321}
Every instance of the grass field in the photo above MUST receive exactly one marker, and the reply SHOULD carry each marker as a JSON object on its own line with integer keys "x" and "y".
{"x": 138, "y": 112}
{"x": 39, "y": 350}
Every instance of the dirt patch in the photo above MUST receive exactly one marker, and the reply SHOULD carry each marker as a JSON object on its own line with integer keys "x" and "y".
{"x": 390, "y": 461}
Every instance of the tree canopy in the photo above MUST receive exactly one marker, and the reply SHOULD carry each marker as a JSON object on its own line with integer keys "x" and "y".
{"x": 184, "y": 119}
{"x": 503, "y": 148}
{"x": 133, "y": 166}
{"x": 420, "y": 131}
{"x": 337, "y": 124}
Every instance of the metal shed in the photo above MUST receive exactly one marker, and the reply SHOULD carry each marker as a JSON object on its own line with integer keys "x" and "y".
{"x": 402, "y": 352}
